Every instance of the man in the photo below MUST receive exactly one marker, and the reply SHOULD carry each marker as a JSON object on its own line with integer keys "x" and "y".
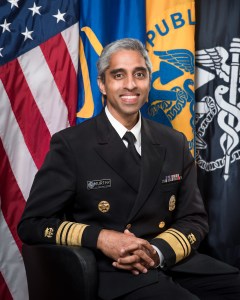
{"x": 142, "y": 212}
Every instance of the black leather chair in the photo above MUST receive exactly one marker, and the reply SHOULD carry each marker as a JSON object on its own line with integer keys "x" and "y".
{"x": 60, "y": 272}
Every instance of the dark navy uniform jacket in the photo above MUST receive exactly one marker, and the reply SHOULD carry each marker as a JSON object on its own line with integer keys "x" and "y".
{"x": 88, "y": 182}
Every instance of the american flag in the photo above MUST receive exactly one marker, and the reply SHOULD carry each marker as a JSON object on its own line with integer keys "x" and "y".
{"x": 38, "y": 96}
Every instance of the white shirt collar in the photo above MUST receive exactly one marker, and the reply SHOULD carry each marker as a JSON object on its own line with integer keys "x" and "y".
{"x": 121, "y": 130}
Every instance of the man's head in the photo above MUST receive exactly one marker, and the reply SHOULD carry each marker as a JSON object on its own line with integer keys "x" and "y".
{"x": 124, "y": 72}
{"x": 123, "y": 44}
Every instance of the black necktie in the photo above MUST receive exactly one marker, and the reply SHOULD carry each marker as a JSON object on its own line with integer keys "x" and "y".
{"x": 130, "y": 138}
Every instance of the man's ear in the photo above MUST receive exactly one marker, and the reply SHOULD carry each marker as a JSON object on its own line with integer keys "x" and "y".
{"x": 101, "y": 86}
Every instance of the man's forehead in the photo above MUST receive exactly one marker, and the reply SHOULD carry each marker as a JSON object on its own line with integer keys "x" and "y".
{"x": 126, "y": 59}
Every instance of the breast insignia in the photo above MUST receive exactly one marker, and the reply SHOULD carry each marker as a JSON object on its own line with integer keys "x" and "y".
{"x": 172, "y": 203}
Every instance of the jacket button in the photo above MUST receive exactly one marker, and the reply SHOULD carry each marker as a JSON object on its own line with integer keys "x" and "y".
{"x": 104, "y": 206}
{"x": 128, "y": 226}
{"x": 161, "y": 224}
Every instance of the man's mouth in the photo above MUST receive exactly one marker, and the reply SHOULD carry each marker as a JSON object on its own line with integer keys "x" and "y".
{"x": 130, "y": 99}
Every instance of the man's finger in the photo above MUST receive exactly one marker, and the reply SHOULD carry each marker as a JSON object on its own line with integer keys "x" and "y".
{"x": 130, "y": 259}
{"x": 139, "y": 245}
{"x": 145, "y": 259}
{"x": 138, "y": 256}
{"x": 126, "y": 231}
{"x": 130, "y": 249}
{"x": 137, "y": 267}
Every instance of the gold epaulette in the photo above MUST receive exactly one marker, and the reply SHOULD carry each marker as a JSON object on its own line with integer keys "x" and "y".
{"x": 70, "y": 233}
{"x": 177, "y": 241}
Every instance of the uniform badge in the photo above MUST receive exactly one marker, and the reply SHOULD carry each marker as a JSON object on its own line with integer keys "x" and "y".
{"x": 103, "y": 206}
{"x": 48, "y": 232}
{"x": 172, "y": 203}
{"x": 98, "y": 184}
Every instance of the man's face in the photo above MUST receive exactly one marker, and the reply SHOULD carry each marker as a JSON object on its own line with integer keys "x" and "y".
{"x": 126, "y": 85}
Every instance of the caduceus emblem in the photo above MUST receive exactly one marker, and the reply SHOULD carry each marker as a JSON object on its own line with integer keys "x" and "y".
{"x": 228, "y": 110}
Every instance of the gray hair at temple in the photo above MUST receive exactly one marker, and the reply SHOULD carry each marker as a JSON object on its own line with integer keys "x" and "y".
{"x": 123, "y": 44}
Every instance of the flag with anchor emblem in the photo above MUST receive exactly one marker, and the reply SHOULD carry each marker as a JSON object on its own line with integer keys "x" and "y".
{"x": 170, "y": 26}
{"x": 218, "y": 123}
{"x": 170, "y": 42}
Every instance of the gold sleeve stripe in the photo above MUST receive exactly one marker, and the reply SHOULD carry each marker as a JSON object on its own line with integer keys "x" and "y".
{"x": 59, "y": 232}
{"x": 178, "y": 242}
{"x": 64, "y": 233}
{"x": 70, "y": 233}
{"x": 184, "y": 240}
{"x": 76, "y": 235}
{"x": 184, "y": 246}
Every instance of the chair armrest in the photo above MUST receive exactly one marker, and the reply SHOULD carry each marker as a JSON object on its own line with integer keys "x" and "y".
{"x": 60, "y": 272}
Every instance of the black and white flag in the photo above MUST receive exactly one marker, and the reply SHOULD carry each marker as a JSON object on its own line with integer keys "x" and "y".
{"x": 218, "y": 123}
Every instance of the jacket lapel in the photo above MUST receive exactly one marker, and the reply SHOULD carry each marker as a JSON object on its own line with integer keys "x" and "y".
{"x": 112, "y": 149}
{"x": 153, "y": 155}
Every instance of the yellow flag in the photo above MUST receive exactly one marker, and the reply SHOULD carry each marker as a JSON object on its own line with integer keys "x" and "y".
{"x": 170, "y": 42}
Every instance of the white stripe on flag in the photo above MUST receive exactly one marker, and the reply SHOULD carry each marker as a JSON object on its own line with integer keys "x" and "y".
{"x": 11, "y": 263}
{"x": 13, "y": 142}
{"x": 49, "y": 101}
{"x": 71, "y": 38}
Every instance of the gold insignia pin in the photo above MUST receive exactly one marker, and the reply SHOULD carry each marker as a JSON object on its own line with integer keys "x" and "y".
{"x": 172, "y": 203}
{"x": 161, "y": 224}
{"x": 192, "y": 239}
{"x": 103, "y": 206}
{"x": 48, "y": 232}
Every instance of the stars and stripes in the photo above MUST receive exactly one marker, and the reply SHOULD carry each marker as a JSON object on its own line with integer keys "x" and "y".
{"x": 38, "y": 96}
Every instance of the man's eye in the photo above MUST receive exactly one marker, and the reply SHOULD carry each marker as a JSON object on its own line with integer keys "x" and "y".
{"x": 140, "y": 75}
{"x": 118, "y": 76}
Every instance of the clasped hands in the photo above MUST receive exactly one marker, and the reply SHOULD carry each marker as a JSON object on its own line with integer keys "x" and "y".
{"x": 127, "y": 251}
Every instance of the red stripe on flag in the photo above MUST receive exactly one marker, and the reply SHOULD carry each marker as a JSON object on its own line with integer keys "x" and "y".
{"x": 12, "y": 201}
{"x": 30, "y": 120}
{"x": 4, "y": 291}
{"x": 62, "y": 68}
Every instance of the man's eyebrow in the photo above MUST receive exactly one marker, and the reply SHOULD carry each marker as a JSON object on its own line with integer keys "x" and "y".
{"x": 119, "y": 70}
{"x": 140, "y": 69}
{"x": 115, "y": 71}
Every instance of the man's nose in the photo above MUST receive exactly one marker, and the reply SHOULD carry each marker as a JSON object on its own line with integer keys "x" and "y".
{"x": 130, "y": 83}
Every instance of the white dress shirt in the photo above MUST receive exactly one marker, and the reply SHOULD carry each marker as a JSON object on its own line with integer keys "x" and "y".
{"x": 121, "y": 130}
